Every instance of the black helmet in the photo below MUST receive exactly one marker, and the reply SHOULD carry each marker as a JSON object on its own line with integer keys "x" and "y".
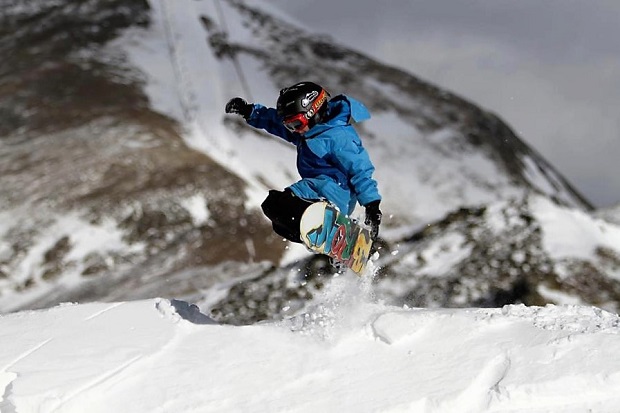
{"x": 302, "y": 105}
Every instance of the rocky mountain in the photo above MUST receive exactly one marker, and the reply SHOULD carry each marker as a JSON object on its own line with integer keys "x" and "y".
{"x": 529, "y": 251}
{"x": 122, "y": 178}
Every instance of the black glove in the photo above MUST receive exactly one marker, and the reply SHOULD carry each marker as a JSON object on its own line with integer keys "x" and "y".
{"x": 373, "y": 218}
{"x": 239, "y": 106}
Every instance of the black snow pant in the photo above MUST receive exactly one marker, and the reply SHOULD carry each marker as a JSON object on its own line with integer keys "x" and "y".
{"x": 285, "y": 209}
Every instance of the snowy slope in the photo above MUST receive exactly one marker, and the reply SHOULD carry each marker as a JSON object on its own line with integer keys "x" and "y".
{"x": 433, "y": 151}
{"x": 126, "y": 180}
{"x": 348, "y": 355}
{"x": 611, "y": 214}
{"x": 336, "y": 348}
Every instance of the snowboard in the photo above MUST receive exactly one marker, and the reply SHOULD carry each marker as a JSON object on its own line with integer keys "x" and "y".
{"x": 325, "y": 230}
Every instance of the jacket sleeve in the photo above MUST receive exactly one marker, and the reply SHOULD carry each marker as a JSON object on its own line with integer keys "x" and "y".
{"x": 353, "y": 158}
{"x": 267, "y": 119}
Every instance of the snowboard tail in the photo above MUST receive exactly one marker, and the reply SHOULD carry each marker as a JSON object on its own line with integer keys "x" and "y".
{"x": 326, "y": 230}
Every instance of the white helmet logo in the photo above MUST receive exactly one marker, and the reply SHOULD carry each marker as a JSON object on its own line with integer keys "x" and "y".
{"x": 309, "y": 98}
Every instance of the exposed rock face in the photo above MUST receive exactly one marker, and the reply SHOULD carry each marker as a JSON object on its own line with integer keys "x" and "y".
{"x": 79, "y": 138}
{"x": 483, "y": 257}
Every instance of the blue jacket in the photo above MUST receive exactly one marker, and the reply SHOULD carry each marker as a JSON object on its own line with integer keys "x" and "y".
{"x": 331, "y": 160}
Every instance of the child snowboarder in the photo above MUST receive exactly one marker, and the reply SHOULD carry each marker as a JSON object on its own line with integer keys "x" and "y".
{"x": 331, "y": 160}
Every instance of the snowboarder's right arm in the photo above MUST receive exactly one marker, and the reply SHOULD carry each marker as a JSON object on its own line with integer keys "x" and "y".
{"x": 261, "y": 117}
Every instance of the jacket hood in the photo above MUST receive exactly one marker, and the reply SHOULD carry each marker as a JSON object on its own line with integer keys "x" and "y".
{"x": 341, "y": 110}
{"x": 344, "y": 108}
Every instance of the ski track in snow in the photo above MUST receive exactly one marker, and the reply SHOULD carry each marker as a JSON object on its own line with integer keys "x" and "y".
{"x": 105, "y": 310}
{"x": 92, "y": 385}
{"x": 7, "y": 377}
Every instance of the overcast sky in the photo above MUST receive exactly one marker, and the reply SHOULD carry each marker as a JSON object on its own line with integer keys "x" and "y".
{"x": 550, "y": 68}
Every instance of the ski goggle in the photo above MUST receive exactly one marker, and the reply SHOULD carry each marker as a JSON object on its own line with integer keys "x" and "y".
{"x": 296, "y": 123}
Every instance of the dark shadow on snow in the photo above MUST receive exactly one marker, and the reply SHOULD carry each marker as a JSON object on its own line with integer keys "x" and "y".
{"x": 191, "y": 313}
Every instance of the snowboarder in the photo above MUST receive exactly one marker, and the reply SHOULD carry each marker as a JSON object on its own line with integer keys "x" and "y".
{"x": 331, "y": 160}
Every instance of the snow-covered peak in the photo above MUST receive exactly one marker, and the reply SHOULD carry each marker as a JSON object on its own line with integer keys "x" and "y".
{"x": 434, "y": 151}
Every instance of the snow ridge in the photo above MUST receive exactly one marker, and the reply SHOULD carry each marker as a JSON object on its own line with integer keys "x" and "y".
{"x": 345, "y": 354}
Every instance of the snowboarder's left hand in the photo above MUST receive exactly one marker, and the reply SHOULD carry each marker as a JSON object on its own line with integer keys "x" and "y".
{"x": 373, "y": 218}
{"x": 239, "y": 106}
